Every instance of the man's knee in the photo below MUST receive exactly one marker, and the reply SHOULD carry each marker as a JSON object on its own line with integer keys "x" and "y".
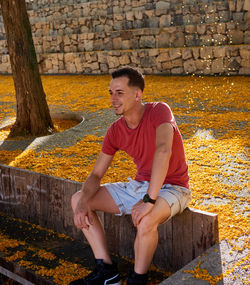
{"x": 147, "y": 225}
{"x": 74, "y": 199}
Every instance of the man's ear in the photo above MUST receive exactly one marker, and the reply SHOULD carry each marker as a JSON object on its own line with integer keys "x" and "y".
{"x": 138, "y": 94}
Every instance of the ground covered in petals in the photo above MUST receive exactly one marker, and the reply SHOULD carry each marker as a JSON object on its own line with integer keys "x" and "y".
{"x": 212, "y": 114}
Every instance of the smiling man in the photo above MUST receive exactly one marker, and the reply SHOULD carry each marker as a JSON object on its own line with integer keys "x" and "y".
{"x": 160, "y": 190}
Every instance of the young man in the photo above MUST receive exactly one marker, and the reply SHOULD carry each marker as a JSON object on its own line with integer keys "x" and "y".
{"x": 148, "y": 133}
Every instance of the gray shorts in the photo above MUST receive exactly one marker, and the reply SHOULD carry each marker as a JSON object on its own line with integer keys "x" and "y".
{"x": 126, "y": 194}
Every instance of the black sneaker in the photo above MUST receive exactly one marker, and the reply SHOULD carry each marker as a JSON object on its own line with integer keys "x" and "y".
{"x": 103, "y": 274}
{"x": 135, "y": 278}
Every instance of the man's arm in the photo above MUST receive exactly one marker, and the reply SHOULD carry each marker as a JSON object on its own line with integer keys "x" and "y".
{"x": 89, "y": 189}
{"x": 164, "y": 141}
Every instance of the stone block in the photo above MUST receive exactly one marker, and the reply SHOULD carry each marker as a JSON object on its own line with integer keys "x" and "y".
{"x": 206, "y": 40}
{"x": 61, "y": 65}
{"x": 177, "y": 70}
{"x": 117, "y": 26}
{"x": 129, "y": 16}
{"x": 48, "y": 64}
{"x": 234, "y": 64}
{"x": 247, "y": 37}
{"x": 117, "y": 10}
{"x": 165, "y": 21}
{"x": 148, "y": 62}
{"x": 245, "y": 62}
{"x": 232, "y": 51}
{"x": 189, "y": 66}
{"x": 163, "y": 40}
{"x": 135, "y": 59}
{"x": 196, "y": 52}
{"x": 147, "y": 42}
{"x": 224, "y": 16}
{"x": 104, "y": 67}
{"x": 153, "y": 52}
{"x": 98, "y": 44}
{"x": 177, "y": 62}
{"x": 236, "y": 37}
{"x": 4, "y": 67}
{"x": 117, "y": 43}
{"x": 179, "y": 39}
{"x": 192, "y": 40}
{"x": 245, "y": 53}
{"x": 217, "y": 66}
{"x": 247, "y": 17}
{"x": 246, "y": 5}
{"x": 124, "y": 59}
{"x": 88, "y": 45}
{"x": 60, "y": 56}
{"x": 78, "y": 64}
{"x": 167, "y": 65}
{"x": 232, "y": 5}
{"x": 178, "y": 20}
{"x": 219, "y": 39}
{"x": 244, "y": 71}
{"x": 187, "y": 19}
{"x": 190, "y": 29}
{"x": 134, "y": 43}
{"x": 162, "y": 5}
{"x": 211, "y": 18}
{"x": 238, "y": 16}
{"x": 239, "y": 5}
{"x": 91, "y": 56}
{"x": 94, "y": 66}
{"x": 164, "y": 56}
{"x": 71, "y": 68}
{"x": 152, "y": 23}
{"x": 219, "y": 52}
{"x": 186, "y": 54}
{"x": 126, "y": 35}
{"x": 206, "y": 52}
{"x": 118, "y": 17}
{"x": 113, "y": 61}
{"x": 102, "y": 57}
{"x": 200, "y": 64}
{"x": 138, "y": 15}
{"x": 174, "y": 53}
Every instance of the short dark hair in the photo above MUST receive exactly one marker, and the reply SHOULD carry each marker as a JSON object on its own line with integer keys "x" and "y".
{"x": 135, "y": 77}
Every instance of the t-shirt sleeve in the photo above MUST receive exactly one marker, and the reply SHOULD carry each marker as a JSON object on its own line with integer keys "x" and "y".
{"x": 108, "y": 145}
{"x": 161, "y": 113}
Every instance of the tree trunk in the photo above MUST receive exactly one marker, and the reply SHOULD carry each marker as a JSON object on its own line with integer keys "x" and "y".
{"x": 32, "y": 117}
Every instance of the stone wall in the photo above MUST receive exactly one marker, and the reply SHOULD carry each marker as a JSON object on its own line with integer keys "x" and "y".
{"x": 169, "y": 37}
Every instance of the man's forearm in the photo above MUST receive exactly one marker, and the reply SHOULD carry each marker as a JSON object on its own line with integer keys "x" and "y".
{"x": 90, "y": 187}
{"x": 159, "y": 171}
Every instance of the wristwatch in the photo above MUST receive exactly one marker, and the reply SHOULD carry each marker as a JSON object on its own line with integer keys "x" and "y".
{"x": 147, "y": 198}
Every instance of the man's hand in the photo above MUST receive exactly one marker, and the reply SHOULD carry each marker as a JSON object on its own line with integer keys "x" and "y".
{"x": 83, "y": 216}
{"x": 139, "y": 210}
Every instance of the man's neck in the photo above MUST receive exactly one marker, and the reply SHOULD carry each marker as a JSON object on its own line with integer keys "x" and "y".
{"x": 132, "y": 120}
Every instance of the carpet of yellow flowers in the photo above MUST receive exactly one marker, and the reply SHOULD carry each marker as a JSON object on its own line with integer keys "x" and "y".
{"x": 212, "y": 114}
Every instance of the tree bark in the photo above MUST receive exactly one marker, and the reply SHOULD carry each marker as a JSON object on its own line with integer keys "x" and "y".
{"x": 32, "y": 115}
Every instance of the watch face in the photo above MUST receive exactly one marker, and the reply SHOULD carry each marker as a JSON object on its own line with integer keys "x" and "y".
{"x": 146, "y": 198}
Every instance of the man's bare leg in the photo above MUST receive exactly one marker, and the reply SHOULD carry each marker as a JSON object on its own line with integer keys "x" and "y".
{"x": 95, "y": 233}
{"x": 147, "y": 235}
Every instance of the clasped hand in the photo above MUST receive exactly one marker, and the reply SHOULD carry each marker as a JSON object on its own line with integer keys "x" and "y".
{"x": 139, "y": 210}
{"x": 83, "y": 216}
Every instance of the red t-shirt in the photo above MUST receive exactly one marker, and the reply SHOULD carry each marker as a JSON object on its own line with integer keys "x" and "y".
{"x": 140, "y": 144}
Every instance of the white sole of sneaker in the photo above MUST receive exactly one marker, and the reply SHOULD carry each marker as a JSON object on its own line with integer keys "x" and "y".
{"x": 109, "y": 281}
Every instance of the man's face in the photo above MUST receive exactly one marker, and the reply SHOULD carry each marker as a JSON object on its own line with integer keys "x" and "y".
{"x": 123, "y": 97}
